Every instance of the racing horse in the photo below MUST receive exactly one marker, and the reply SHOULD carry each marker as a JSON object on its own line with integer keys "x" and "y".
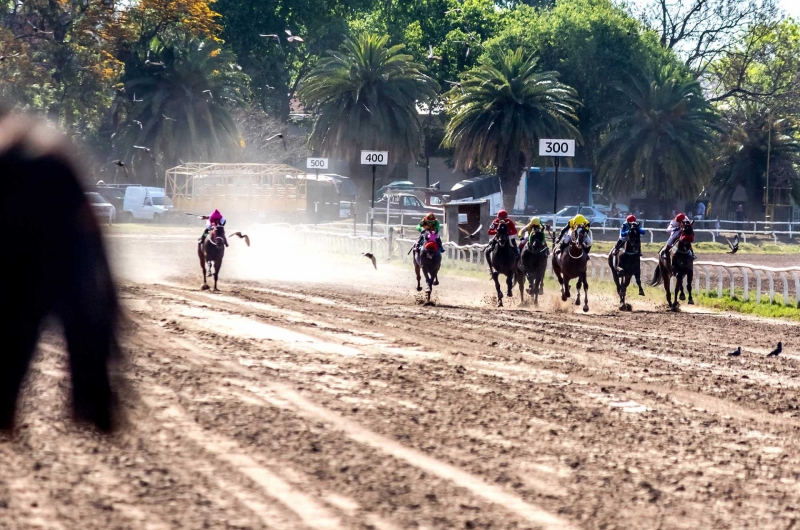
{"x": 428, "y": 259}
{"x": 503, "y": 259}
{"x": 625, "y": 265}
{"x": 62, "y": 271}
{"x": 680, "y": 266}
{"x": 534, "y": 265}
{"x": 212, "y": 250}
{"x": 571, "y": 263}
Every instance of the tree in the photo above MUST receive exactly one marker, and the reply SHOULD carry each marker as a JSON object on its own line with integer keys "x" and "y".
{"x": 763, "y": 68}
{"x": 701, "y": 31}
{"x": 592, "y": 44}
{"x": 661, "y": 141}
{"x": 179, "y": 109}
{"x": 750, "y": 132}
{"x": 501, "y": 108}
{"x": 365, "y": 97}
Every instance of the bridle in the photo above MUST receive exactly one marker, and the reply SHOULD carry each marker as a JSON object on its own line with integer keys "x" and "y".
{"x": 577, "y": 241}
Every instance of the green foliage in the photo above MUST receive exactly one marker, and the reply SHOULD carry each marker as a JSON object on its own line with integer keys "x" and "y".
{"x": 182, "y": 109}
{"x": 501, "y": 108}
{"x": 661, "y": 141}
{"x": 749, "y": 133}
{"x": 775, "y": 309}
{"x": 365, "y": 97}
{"x": 593, "y": 44}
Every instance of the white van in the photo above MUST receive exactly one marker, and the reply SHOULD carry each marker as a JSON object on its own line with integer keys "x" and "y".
{"x": 145, "y": 203}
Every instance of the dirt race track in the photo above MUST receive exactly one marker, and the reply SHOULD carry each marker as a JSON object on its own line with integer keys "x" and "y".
{"x": 322, "y": 396}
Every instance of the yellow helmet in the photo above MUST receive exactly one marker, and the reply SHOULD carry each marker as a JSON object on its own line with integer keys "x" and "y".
{"x": 579, "y": 220}
{"x": 536, "y": 222}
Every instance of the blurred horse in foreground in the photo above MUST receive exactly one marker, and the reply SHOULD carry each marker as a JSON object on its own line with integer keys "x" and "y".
{"x": 55, "y": 264}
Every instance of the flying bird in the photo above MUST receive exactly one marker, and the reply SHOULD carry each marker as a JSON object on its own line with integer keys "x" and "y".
{"x": 4, "y": 57}
{"x": 372, "y": 257}
{"x": 455, "y": 84}
{"x": 292, "y": 38}
{"x": 37, "y": 30}
{"x": 148, "y": 62}
{"x": 735, "y": 353}
{"x": 270, "y": 36}
{"x": 148, "y": 151}
{"x": 472, "y": 235}
{"x": 137, "y": 122}
{"x": 119, "y": 163}
{"x": 136, "y": 100}
{"x": 776, "y": 351}
{"x": 168, "y": 118}
{"x": 431, "y": 56}
{"x": 279, "y": 135}
{"x": 734, "y": 247}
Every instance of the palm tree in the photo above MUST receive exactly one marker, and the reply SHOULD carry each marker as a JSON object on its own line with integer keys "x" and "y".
{"x": 178, "y": 101}
{"x": 365, "y": 97}
{"x": 500, "y": 109}
{"x": 662, "y": 139}
{"x": 748, "y": 135}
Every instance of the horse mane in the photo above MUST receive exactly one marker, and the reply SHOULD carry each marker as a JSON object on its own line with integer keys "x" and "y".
{"x": 61, "y": 271}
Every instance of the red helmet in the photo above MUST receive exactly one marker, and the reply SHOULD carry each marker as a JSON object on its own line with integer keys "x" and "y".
{"x": 631, "y": 219}
{"x": 502, "y": 214}
{"x": 431, "y": 246}
{"x": 430, "y": 217}
{"x": 680, "y": 217}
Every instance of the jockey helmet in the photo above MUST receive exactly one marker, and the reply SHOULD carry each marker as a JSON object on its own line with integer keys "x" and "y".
{"x": 431, "y": 246}
{"x": 536, "y": 222}
{"x": 430, "y": 217}
{"x": 630, "y": 219}
{"x": 680, "y": 217}
{"x": 502, "y": 214}
{"x": 579, "y": 220}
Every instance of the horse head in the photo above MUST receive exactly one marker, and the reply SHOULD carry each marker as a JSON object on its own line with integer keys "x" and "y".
{"x": 580, "y": 237}
{"x": 633, "y": 240}
{"x": 502, "y": 234}
{"x": 217, "y": 232}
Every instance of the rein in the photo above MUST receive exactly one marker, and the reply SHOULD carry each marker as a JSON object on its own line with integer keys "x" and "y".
{"x": 569, "y": 252}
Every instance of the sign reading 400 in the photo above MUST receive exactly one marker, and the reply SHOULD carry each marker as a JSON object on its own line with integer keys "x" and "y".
{"x": 375, "y": 158}
{"x": 554, "y": 147}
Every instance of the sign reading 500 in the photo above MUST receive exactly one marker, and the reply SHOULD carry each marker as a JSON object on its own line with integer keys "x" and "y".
{"x": 375, "y": 158}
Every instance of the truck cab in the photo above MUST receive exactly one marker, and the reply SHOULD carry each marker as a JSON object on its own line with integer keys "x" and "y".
{"x": 145, "y": 203}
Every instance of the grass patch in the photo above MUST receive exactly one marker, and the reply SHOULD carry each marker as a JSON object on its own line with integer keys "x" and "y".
{"x": 711, "y": 248}
{"x": 776, "y": 309}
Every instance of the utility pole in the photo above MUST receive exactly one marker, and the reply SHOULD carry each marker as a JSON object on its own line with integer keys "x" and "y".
{"x": 767, "y": 208}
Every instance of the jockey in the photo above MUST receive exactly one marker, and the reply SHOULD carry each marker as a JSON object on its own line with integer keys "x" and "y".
{"x": 431, "y": 224}
{"x": 576, "y": 222}
{"x": 502, "y": 218}
{"x": 674, "y": 229}
{"x": 535, "y": 232}
{"x": 624, "y": 229}
{"x": 215, "y": 219}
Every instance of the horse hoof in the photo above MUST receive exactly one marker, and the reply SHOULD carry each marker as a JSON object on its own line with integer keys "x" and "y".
{"x": 216, "y": 290}
{"x": 205, "y": 287}
{"x": 628, "y": 307}
{"x": 691, "y": 302}
{"x": 586, "y": 309}
{"x": 577, "y": 302}
{"x": 435, "y": 282}
{"x": 641, "y": 292}
{"x": 419, "y": 289}
{"x": 564, "y": 297}
{"x": 682, "y": 297}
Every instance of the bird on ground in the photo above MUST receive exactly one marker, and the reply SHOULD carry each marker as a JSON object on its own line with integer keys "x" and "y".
{"x": 776, "y": 351}
{"x": 734, "y": 247}
{"x": 431, "y": 56}
{"x": 735, "y": 353}
{"x": 372, "y": 257}
{"x": 292, "y": 38}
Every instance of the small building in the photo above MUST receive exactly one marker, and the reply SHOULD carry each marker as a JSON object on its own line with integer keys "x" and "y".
{"x": 463, "y": 218}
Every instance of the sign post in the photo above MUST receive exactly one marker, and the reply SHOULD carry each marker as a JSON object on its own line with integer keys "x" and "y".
{"x": 557, "y": 149}
{"x": 316, "y": 164}
{"x": 374, "y": 159}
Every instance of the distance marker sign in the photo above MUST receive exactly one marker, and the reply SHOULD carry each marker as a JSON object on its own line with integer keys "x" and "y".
{"x": 556, "y": 147}
{"x": 374, "y": 158}
{"x": 316, "y": 163}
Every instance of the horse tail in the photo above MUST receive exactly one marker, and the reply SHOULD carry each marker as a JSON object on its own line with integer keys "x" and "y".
{"x": 657, "y": 278}
{"x": 243, "y": 236}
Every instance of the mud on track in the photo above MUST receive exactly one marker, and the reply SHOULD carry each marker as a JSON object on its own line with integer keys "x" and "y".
{"x": 285, "y": 404}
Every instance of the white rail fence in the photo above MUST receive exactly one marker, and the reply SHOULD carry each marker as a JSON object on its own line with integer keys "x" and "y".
{"x": 744, "y": 280}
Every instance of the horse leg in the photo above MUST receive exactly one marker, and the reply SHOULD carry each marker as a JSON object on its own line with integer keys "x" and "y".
{"x": 495, "y": 277}
{"x": 510, "y": 283}
{"x": 578, "y": 291}
{"x": 689, "y": 279}
{"x": 521, "y": 281}
{"x": 679, "y": 287}
{"x": 204, "y": 287}
{"x": 419, "y": 278}
{"x": 217, "y": 267}
{"x": 585, "y": 293}
{"x": 639, "y": 282}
